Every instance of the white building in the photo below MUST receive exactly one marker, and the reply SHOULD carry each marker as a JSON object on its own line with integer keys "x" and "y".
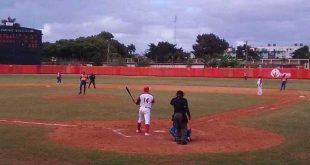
{"x": 277, "y": 51}
{"x": 270, "y": 51}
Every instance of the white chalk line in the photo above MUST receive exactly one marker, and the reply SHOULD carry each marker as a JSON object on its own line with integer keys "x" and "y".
{"x": 37, "y": 123}
{"x": 255, "y": 109}
{"x": 118, "y": 131}
{"x": 159, "y": 131}
{"x": 198, "y": 130}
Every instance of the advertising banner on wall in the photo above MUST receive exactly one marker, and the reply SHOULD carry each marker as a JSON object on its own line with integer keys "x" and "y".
{"x": 275, "y": 73}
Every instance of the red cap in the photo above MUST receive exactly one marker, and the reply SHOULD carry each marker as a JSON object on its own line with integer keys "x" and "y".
{"x": 146, "y": 89}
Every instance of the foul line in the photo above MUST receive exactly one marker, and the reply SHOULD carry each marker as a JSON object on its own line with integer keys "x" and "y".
{"x": 159, "y": 131}
{"x": 198, "y": 130}
{"x": 256, "y": 109}
{"x": 118, "y": 131}
{"x": 37, "y": 123}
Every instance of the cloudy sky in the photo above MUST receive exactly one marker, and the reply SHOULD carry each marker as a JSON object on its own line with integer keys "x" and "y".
{"x": 142, "y": 22}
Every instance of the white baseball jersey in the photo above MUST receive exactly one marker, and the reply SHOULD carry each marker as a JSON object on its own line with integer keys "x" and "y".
{"x": 259, "y": 82}
{"x": 259, "y": 87}
{"x": 146, "y": 100}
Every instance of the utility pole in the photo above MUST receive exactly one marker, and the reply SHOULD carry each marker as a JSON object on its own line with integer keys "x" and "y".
{"x": 175, "y": 29}
{"x": 246, "y": 52}
{"x": 175, "y": 34}
{"x": 108, "y": 56}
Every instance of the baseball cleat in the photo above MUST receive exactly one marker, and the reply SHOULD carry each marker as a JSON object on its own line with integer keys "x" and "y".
{"x": 138, "y": 131}
{"x": 147, "y": 134}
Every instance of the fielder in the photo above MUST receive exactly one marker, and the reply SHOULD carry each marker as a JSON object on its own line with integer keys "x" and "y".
{"x": 83, "y": 80}
{"x": 145, "y": 102}
{"x": 283, "y": 82}
{"x": 259, "y": 86}
{"x": 58, "y": 77}
{"x": 245, "y": 75}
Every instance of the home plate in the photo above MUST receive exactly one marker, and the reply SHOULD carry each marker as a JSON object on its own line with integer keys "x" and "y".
{"x": 159, "y": 131}
{"x": 301, "y": 96}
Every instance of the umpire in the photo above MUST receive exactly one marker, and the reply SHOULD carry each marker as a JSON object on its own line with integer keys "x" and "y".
{"x": 180, "y": 117}
{"x": 92, "y": 78}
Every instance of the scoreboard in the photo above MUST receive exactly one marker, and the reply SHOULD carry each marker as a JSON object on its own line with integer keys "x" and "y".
{"x": 20, "y": 37}
{"x": 20, "y": 45}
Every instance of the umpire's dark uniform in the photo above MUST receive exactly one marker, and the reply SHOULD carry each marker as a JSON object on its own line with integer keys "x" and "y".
{"x": 92, "y": 80}
{"x": 179, "y": 117}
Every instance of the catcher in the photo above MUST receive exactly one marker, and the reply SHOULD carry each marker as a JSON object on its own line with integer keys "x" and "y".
{"x": 173, "y": 132}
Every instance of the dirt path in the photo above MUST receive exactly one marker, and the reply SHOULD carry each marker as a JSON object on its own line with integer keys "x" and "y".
{"x": 210, "y": 134}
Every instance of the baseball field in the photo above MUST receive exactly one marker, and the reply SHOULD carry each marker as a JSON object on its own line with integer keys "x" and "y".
{"x": 42, "y": 122}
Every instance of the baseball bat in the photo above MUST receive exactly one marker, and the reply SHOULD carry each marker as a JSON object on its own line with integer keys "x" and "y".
{"x": 133, "y": 100}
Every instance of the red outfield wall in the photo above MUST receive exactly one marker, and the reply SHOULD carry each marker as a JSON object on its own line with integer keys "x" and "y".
{"x": 148, "y": 71}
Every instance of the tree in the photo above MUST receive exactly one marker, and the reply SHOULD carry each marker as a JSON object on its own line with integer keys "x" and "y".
{"x": 246, "y": 52}
{"x": 240, "y": 53}
{"x": 95, "y": 49}
{"x": 131, "y": 49}
{"x": 209, "y": 46}
{"x": 11, "y": 21}
{"x": 228, "y": 61}
{"x": 301, "y": 53}
{"x": 165, "y": 52}
{"x": 105, "y": 35}
{"x": 4, "y": 21}
{"x": 253, "y": 55}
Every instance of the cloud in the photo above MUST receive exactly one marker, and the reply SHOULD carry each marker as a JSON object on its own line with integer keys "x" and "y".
{"x": 56, "y": 31}
{"x": 159, "y": 32}
{"x": 142, "y": 22}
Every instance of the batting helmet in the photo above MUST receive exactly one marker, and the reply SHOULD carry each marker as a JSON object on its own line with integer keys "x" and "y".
{"x": 146, "y": 89}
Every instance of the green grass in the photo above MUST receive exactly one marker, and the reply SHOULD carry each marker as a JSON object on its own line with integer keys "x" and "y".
{"x": 291, "y": 122}
{"x": 30, "y": 103}
{"x": 223, "y": 82}
{"x": 30, "y": 145}
{"x": 26, "y": 145}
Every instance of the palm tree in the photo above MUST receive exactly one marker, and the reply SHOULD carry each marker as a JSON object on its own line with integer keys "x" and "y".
{"x": 10, "y": 20}
{"x": 4, "y": 21}
{"x": 131, "y": 49}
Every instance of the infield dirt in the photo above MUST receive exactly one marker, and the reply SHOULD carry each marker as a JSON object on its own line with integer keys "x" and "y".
{"x": 210, "y": 134}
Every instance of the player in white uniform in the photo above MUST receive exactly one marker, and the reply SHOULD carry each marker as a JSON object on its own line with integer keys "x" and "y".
{"x": 145, "y": 102}
{"x": 259, "y": 86}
